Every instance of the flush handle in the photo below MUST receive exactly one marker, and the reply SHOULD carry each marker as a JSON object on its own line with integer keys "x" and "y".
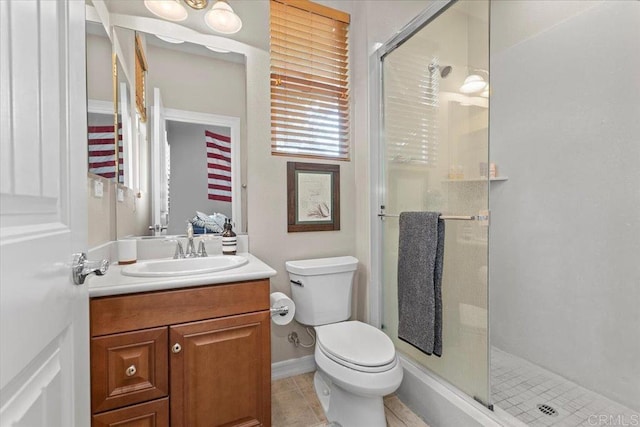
{"x": 297, "y": 282}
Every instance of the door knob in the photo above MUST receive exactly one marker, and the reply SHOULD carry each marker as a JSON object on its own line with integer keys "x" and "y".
{"x": 81, "y": 267}
{"x": 176, "y": 348}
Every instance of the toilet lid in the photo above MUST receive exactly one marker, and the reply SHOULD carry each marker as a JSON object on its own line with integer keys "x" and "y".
{"x": 356, "y": 343}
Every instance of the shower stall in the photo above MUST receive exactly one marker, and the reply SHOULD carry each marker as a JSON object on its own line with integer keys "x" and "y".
{"x": 503, "y": 117}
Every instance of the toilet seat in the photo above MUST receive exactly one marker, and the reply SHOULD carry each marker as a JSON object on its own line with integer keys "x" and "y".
{"x": 357, "y": 346}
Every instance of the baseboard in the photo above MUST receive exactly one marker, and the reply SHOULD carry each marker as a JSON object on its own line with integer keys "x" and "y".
{"x": 291, "y": 367}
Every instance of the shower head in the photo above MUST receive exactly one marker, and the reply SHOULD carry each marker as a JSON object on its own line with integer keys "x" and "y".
{"x": 444, "y": 71}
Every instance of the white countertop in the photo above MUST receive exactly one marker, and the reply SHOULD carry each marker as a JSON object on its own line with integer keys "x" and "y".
{"x": 115, "y": 283}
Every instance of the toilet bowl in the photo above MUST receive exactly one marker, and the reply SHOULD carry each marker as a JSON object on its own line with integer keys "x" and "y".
{"x": 357, "y": 363}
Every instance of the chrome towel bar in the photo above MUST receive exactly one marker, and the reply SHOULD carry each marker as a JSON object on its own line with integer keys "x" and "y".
{"x": 452, "y": 217}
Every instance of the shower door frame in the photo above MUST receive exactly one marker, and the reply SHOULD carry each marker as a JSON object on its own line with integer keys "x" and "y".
{"x": 378, "y": 190}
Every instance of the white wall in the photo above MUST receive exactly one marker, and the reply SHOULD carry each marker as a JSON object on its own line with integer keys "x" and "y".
{"x": 565, "y": 232}
{"x": 197, "y": 83}
{"x": 188, "y": 187}
{"x": 267, "y": 217}
{"x": 99, "y": 74}
{"x": 267, "y": 208}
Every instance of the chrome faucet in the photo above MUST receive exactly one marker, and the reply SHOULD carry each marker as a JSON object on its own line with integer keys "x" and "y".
{"x": 191, "y": 249}
{"x": 179, "y": 251}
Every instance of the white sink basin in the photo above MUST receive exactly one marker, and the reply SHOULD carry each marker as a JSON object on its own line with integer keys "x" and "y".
{"x": 184, "y": 267}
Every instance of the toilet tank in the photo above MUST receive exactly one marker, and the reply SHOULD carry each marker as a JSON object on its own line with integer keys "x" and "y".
{"x": 321, "y": 289}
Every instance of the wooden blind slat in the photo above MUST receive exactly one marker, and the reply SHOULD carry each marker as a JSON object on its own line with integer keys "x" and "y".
{"x": 284, "y": 111}
{"x": 315, "y": 78}
{"x": 286, "y": 35}
{"x": 315, "y": 64}
{"x": 310, "y": 146}
{"x": 283, "y": 29}
{"x": 279, "y": 92}
{"x": 332, "y": 129}
{"x": 303, "y": 111}
{"x": 303, "y": 24}
{"x": 309, "y": 80}
{"x": 310, "y": 7}
{"x": 303, "y": 85}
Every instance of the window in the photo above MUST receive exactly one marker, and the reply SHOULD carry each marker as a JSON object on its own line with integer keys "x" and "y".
{"x": 309, "y": 80}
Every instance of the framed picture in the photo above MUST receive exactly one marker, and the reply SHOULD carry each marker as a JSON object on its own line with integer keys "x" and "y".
{"x": 313, "y": 197}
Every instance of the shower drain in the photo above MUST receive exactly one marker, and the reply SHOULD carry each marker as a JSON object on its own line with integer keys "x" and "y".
{"x": 547, "y": 410}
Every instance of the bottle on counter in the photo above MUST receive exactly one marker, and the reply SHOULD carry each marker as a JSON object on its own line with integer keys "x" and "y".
{"x": 229, "y": 239}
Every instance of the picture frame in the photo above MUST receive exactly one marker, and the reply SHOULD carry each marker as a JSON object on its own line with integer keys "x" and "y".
{"x": 313, "y": 197}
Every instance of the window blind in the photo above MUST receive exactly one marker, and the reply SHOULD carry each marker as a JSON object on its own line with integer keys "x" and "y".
{"x": 141, "y": 77}
{"x": 309, "y": 80}
{"x": 411, "y": 98}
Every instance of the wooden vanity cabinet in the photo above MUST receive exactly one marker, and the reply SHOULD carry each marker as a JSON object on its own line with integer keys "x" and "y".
{"x": 185, "y": 357}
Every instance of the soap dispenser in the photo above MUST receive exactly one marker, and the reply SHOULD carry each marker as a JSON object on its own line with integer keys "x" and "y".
{"x": 229, "y": 240}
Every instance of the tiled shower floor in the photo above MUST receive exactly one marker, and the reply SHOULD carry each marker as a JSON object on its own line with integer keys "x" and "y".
{"x": 518, "y": 386}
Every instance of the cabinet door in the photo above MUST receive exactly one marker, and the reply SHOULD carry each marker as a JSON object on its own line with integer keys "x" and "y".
{"x": 128, "y": 368}
{"x": 150, "y": 414}
{"x": 221, "y": 372}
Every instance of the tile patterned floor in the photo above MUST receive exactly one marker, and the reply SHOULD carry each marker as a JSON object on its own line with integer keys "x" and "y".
{"x": 518, "y": 386}
{"x": 294, "y": 404}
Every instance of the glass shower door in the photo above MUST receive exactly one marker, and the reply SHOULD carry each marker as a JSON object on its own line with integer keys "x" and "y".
{"x": 435, "y": 148}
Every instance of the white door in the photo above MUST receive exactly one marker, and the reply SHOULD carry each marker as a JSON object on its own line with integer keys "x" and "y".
{"x": 44, "y": 337}
{"x": 159, "y": 187}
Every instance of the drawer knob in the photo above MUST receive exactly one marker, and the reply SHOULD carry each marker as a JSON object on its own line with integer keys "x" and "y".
{"x": 131, "y": 371}
{"x": 177, "y": 348}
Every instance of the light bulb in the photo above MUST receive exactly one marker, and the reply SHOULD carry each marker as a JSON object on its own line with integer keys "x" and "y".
{"x": 222, "y": 18}
{"x": 473, "y": 83}
{"x": 171, "y": 10}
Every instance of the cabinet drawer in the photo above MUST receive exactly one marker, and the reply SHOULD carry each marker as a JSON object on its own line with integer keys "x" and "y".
{"x": 128, "y": 368}
{"x": 120, "y": 313}
{"x": 150, "y": 414}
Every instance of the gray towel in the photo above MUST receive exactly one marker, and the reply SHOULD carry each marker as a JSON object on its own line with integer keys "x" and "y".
{"x": 420, "y": 254}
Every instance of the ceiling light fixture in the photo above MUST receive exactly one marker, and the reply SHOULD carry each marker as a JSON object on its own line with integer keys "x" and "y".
{"x": 171, "y": 10}
{"x": 220, "y": 18}
{"x": 472, "y": 84}
{"x": 223, "y": 19}
{"x": 197, "y": 4}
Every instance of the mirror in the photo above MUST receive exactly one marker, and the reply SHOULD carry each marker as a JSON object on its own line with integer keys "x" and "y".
{"x": 197, "y": 103}
{"x": 116, "y": 205}
{"x": 101, "y": 187}
{"x": 214, "y": 89}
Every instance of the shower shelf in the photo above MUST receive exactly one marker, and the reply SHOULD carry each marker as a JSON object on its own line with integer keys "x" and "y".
{"x": 499, "y": 178}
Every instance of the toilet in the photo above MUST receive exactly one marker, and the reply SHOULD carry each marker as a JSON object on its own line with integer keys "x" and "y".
{"x": 357, "y": 363}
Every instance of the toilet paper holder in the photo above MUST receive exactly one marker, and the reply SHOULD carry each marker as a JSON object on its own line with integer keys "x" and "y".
{"x": 282, "y": 310}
